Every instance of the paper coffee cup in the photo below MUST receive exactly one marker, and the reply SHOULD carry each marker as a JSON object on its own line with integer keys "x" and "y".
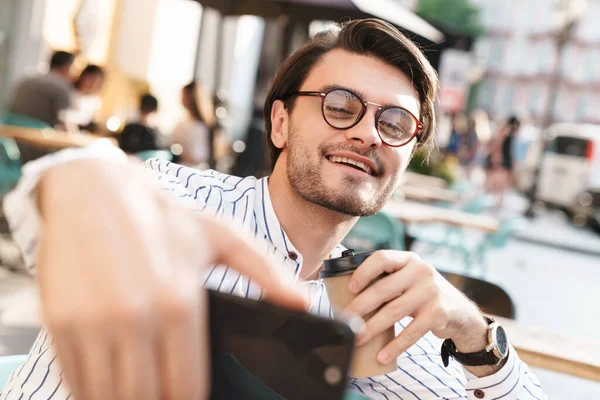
{"x": 336, "y": 275}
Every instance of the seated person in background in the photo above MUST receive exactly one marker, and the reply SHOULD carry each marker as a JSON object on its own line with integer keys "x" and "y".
{"x": 44, "y": 98}
{"x": 141, "y": 135}
{"x": 121, "y": 293}
{"x": 86, "y": 99}
{"x": 192, "y": 134}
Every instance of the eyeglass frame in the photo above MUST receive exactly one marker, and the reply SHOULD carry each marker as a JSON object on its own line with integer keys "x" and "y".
{"x": 380, "y": 110}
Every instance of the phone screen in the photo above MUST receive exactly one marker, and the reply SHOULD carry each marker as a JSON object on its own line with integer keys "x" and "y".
{"x": 262, "y": 352}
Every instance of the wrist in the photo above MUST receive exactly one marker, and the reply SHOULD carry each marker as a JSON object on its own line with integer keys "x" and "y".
{"x": 474, "y": 337}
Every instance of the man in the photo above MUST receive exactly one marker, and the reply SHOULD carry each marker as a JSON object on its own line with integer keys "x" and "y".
{"x": 44, "y": 98}
{"x": 141, "y": 135}
{"x": 123, "y": 305}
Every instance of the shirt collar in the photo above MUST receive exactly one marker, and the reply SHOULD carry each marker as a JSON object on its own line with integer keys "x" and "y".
{"x": 269, "y": 223}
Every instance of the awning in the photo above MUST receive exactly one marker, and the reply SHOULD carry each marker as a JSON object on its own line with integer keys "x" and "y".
{"x": 336, "y": 10}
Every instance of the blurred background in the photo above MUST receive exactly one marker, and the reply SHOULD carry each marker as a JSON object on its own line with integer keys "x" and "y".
{"x": 507, "y": 206}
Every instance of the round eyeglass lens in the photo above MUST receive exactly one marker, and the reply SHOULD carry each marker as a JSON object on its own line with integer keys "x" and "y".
{"x": 396, "y": 126}
{"x": 341, "y": 108}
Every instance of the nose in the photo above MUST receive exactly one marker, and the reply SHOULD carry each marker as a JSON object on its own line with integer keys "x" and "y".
{"x": 365, "y": 133}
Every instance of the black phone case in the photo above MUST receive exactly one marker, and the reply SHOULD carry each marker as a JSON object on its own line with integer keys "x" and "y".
{"x": 263, "y": 352}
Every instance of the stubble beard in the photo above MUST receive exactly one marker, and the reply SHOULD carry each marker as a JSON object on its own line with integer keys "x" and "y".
{"x": 307, "y": 180}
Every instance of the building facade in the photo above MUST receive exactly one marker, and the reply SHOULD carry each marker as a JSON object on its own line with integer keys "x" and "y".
{"x": 519, "y": 55}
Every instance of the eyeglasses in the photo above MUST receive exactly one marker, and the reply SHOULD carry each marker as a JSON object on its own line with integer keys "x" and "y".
{"x": 343, "y": 109}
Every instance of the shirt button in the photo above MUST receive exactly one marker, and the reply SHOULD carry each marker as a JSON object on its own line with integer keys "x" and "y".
{"x": 479, "y": 394}
{"x": 293, "y": 256}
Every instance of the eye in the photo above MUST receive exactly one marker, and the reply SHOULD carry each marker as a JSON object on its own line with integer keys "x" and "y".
{"x": 338, "y": 110}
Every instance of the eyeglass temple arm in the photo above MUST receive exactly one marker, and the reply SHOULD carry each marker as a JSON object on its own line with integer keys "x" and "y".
{"x": 317, "y": 94}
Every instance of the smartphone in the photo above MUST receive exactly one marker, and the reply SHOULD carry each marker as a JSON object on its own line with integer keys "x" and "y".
{"x": 263, "y": 352}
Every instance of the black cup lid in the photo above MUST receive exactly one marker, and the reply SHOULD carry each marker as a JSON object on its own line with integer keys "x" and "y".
{"x": 344, "y": 265}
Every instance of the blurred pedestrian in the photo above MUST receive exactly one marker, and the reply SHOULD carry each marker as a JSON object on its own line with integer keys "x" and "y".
{"x": 86, "y": 100}
{"x": 500, "y": 161}
{"x": 192, "y": 134}
{"x": 464, "y": 142}
{"x": 141, "y": 135}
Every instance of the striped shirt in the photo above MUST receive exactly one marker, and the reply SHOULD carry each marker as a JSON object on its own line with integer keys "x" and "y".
{"x": 246, "y": 203}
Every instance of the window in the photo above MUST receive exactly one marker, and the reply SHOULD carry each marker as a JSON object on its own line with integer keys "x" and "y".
{"x": 486, "y": 95}
{"x": 591, "y": 66}
{"x": 496, "y": 53}
{"x": 546, "y": 56}
{"x": 582, "y": 104}
{"x": 509, "y": 94}
{"x": 535, "y": 95}
{"x": 570, "y": 146}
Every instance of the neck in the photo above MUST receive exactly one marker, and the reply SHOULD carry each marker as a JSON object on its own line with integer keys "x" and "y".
{"x": 314, "y": 230}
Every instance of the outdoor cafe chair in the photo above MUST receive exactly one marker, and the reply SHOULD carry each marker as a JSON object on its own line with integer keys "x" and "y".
{"x": 376, "y": 232}
{"x": 10, "y": 165}
{"x": 491, "y": 298}
{"x": 148, "y": 154}
{"x": 8, "y": 364}
{"x": 471, "y": 247}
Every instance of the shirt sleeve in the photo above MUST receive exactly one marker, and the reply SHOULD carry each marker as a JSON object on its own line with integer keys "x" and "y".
{"x": 513, "y": 382}
{"x": 20, "y": 205}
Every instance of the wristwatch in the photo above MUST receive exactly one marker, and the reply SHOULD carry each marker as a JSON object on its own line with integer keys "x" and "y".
{"x": 496, "y": 350}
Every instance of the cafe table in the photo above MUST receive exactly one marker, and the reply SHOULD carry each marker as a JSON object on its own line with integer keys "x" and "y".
{"x": 541, "y": 348}
{"x": 410, "y": 212}
{"x": 416, "y": 179}
{"x": 49, "y": 139}
{"x": 426, "y": 194}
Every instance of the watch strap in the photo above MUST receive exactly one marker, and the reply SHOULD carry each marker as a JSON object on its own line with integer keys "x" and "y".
{"x": 474, "y": 359}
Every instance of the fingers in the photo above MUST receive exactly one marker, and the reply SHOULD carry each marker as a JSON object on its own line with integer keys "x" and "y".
{"x": 233, "y": 250}
{"x": 391, "y": 313}
{"x": 135, "y": 373}
{"x": 408, "y": 337}
{"x": 184, "y": 371}
{"x": 68, "y": 357}
{"x": 96, "y": 367}
{"x": 385, "y": 261}
{"x": 382, "y": 291}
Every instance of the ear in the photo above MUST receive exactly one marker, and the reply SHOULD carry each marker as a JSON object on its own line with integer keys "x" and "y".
{"x": 279, "y": 124}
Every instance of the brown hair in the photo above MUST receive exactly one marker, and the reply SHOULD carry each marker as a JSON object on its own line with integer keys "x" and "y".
{"x": 371, "y": 37}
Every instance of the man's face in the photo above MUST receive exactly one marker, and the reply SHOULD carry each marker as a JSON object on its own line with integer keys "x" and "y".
{"x": 316, "y": 155}
{"x": 92, "y": 84}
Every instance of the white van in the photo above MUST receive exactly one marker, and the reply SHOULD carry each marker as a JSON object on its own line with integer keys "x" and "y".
{"x": 569, "y": 176}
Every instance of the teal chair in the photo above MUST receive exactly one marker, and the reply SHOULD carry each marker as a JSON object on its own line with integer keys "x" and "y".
{"x": 473, "y": 252}
{"x": 10, "y": 155}
{"x": 23, "y": 121}
{"x": 10, "y": 165}
{"x": 376, "y": 232}
{"x": 8, "y": 364}
{"x": 148, "y": 154}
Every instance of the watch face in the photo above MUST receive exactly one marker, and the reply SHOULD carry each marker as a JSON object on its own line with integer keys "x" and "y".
{"x": 501, "y": 341}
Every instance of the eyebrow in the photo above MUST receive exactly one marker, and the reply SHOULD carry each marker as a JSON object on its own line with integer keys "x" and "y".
{"x": 357, "y": 92}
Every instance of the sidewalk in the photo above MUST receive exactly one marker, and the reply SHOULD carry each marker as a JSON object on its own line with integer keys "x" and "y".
{"x": 551, "y": 228}
{"x": 554, "y": 230}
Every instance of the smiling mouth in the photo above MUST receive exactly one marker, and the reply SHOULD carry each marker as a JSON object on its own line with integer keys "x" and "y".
{"x": 352, "y": 163}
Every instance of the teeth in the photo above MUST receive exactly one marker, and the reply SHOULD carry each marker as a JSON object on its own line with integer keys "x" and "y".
{"x": 345, "y": 160}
